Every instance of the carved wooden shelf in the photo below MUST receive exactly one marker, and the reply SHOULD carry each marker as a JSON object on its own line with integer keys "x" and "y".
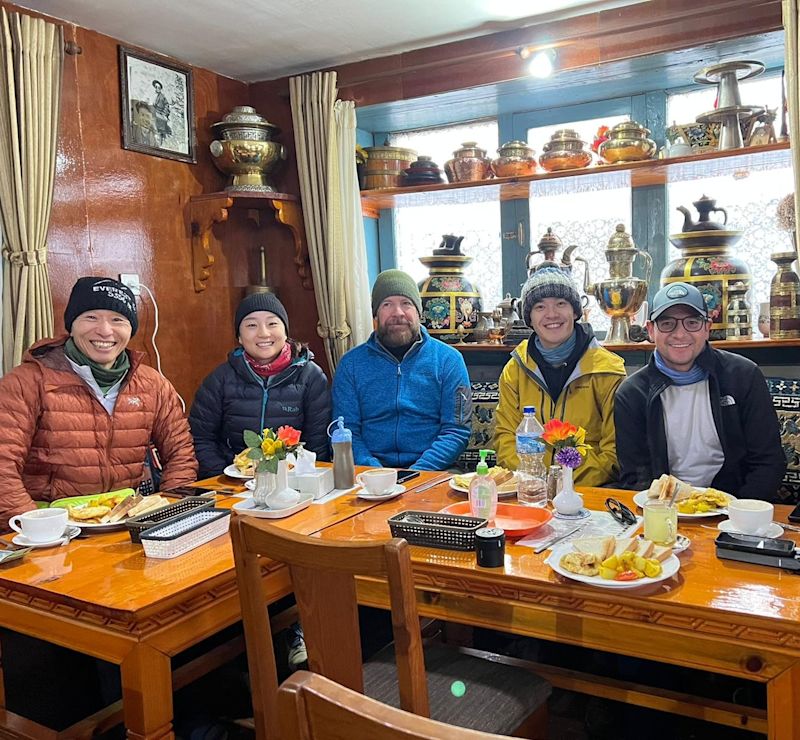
{"x": 647, "y": 346}
{"x": 212, "y": 208}
{"x": 635, "y": 174}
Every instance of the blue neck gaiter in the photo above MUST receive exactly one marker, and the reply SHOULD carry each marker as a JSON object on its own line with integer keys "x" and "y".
{"x": 695, "y": 375}
{"x": 557, "y": 355}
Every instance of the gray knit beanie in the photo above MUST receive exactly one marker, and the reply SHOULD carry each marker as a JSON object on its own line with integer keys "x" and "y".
{"x": 395, "y": 282}
{"x": 260, "y": 302}
{"x": 549, "y": 282}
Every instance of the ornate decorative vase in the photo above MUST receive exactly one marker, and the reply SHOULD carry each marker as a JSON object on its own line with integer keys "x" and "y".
{"x": 707, "y": 262}
{"x": 469, "y": 163}
{"x": 272, "y": 489}
{"x": 386, "y": 166}
{"x": 449, "y": 300}
{"x": 784, "y": 298}
{"x": 627, "y": 142}
{"x": 739, "y": 324}
{"x": 515, "y": 159}
{"x": 564, "y": 151}
{"x": 245, "y": 150}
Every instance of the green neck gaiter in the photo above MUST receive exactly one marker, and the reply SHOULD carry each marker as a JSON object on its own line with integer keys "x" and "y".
{"x": 105, "y": 377}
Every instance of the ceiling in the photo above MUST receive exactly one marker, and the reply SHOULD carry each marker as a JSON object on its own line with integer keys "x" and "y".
{"x": 255, "y": 40}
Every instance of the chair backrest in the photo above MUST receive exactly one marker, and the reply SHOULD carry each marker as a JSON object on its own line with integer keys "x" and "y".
{"x": 323, "y": 577}
{"x": 313, "y": 707}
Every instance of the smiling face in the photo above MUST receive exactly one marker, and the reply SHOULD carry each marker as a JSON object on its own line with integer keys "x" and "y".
{"x": 553, "y": 321}
{"x": 144, "y": 117}
{"x": 101, "y": 335}
{"x": 398, "y": 321}
{"x": 679, "y": 348}
{"x": 263, "y": 335}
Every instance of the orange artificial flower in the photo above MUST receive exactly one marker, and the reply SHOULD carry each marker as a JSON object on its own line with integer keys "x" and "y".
{"x": 289, "y": 436}
{"x": 558, "y": 431}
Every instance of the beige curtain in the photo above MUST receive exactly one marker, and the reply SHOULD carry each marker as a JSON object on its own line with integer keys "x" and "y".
{"x": 791, "y": 15}
{"x": 31, "y": 66}
{"x": 331, "y": 206}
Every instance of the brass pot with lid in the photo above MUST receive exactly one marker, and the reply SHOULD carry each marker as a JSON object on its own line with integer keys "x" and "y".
{"x": 564, "y": 151}
{"x": 516, "y": 159}
{"x": 627, "y": 142}
{"x": 469, "y": 163}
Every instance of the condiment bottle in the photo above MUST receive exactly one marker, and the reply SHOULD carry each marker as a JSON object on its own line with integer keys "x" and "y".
{"x": 483, "y": 490}
{"x": 344, "y": 472}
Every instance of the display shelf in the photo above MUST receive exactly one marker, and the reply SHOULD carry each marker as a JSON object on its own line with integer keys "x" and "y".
{"x": 212, "y": 208}
{"x": 737, "y": 162}
{"x": 733, "y": 345}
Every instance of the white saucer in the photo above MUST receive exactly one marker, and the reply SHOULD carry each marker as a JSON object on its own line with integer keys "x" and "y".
{"x": 582, "y": 514}
{"x": 71, "y": 532}
{"x": 393, "y": 492}
{"x": 682, "y": 543}
{"x": 233, "y": 472}
{"x": 772, "y": 531}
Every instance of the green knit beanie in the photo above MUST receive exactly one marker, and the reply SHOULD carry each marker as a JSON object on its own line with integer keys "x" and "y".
{"x": 395, "y": 282}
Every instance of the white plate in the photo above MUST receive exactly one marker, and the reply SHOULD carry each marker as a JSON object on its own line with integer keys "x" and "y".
{"x": 393, "y": 492}
{"x": 248, "y": 506}
{"x": 773, "y": 530}
{"x": 233, "y": 472}
{"x": 500, "y": 494}
{"x": 668, "y": 569}
{"x": 641, "y": 498}
{"x": 72, "y": 532}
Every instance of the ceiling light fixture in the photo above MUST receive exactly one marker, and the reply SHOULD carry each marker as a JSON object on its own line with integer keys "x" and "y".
{"x": 542, "y": 61}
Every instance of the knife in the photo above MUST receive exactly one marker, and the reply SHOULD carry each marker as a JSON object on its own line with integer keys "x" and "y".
{"x": 547, "y": 545}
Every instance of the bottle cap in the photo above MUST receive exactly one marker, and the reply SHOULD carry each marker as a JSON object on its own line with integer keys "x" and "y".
{"x": 529, "y": 409}
{"x": 482, "y": 468}
{"x": 341, "y": 433}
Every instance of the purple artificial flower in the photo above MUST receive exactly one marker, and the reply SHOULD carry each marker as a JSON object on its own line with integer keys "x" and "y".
{"x": 569, "y": 457}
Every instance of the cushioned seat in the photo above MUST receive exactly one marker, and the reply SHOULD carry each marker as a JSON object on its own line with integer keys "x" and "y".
{"x": 512, "y": 693}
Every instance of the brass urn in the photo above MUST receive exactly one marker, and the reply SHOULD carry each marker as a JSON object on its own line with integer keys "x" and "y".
{"x": 245, "y": 150}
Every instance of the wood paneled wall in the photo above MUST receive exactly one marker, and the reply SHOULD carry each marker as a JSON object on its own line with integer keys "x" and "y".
{"x": 120, "y": 211}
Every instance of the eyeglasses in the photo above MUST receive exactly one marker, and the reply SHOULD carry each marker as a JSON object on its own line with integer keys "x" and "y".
{"x": 620, "y": 512}
{"x": 690, "y": 323}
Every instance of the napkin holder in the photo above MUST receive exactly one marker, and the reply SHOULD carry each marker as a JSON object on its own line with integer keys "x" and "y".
{"x": 317, "y": 482}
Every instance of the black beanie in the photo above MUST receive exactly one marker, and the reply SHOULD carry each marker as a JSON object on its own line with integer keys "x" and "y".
{"x": 260, "y": 302}
{"x": 98, "y": 293}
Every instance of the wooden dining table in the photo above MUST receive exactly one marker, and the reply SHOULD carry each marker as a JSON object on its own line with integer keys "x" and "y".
{"x": 714, "y": 615}
{"x": 101, "y": 596}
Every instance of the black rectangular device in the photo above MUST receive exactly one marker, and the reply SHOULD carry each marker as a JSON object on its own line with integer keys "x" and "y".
{"x": 747, "y": 548}
{"x": 406, "y": 475}
{"x": 794, "y": 516}
{"x": 189, "y": 491}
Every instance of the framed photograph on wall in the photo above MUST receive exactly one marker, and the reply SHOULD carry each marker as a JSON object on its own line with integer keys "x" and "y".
{"x": 157, "y": 106}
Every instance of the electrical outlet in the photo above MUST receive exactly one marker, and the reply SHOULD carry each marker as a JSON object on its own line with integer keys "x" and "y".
{"x": 132, "y": 281}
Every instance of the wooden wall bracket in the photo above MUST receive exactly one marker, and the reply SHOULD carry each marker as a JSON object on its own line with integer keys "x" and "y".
{"x": 211, "y": 208}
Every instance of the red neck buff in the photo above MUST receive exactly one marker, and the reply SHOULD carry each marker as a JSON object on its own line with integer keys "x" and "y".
{"x": 273, "y": 367}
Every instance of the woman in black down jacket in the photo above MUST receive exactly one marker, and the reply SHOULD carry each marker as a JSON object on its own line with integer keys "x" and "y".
{"x": 267, "y": 382}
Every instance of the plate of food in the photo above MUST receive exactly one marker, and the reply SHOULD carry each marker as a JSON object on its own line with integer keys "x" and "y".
{"x": 505, "y": 479}
{"x": 608, "y": 562}
{"x": 107, "y": 511}
{"x": 692, "y": 502}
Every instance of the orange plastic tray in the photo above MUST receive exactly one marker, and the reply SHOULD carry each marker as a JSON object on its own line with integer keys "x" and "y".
{"x": 514, "y": 519}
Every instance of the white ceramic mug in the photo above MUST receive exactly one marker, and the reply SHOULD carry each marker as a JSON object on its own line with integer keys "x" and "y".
{"x": 40, "y": 525}
{"x": 378, "y": 481}
{"x": 750, "y": 516}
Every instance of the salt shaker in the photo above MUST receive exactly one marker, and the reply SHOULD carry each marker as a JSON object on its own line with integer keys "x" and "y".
{"x": 344, "y": 471}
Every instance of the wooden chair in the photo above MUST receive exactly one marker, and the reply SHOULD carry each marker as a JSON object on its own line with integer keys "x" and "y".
{"x": 499, "y": 698}
{"x": 313, "y": 707}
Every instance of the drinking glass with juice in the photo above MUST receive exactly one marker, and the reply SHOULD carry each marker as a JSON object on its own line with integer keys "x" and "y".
{"x": 660, "y": 522}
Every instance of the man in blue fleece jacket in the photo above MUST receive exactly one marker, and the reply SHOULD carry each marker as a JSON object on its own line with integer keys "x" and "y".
{"x": 404, "y": 395}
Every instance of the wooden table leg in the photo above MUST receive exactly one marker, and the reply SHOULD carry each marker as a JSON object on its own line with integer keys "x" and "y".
{"x": 147, "y": 694}
{"x": 783, "y": 713}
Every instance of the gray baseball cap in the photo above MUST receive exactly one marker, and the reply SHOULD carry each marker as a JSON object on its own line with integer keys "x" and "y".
{"x": 678, "y": 294}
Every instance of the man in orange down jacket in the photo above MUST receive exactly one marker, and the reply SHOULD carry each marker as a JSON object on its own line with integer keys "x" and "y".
{"x": 78, "y": 415}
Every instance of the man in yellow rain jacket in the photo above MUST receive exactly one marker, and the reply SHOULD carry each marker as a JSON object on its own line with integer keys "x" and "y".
{"x": 564, "y": 372}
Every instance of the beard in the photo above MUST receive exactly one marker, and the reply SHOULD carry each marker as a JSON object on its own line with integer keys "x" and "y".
{"x": 398, "y": 332}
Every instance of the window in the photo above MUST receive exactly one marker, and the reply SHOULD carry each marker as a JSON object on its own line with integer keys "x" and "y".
{"x": 418, "y": 229}
{"x": 582, "y": 211}
{"x": 749, "y": 197}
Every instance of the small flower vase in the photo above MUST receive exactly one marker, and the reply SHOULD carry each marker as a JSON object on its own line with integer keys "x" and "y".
{"x": 272, "y": 489}
{"x": 567, "y": 501}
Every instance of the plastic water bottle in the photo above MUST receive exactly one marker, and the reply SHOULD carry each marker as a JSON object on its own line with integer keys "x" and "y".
{"x": 531, "y": 473}
{"x": 342, "y": 443}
